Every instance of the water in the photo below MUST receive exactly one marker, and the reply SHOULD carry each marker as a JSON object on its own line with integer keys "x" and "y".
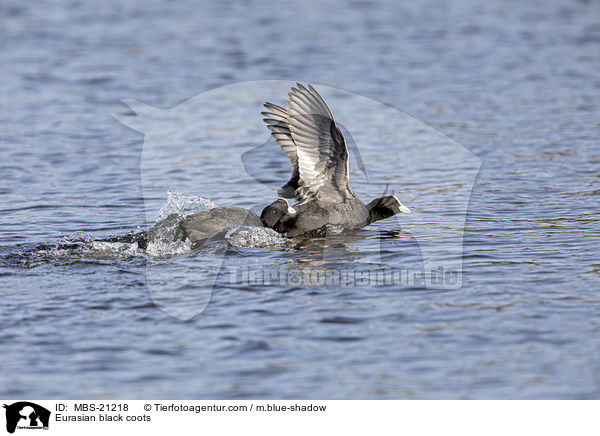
{"x": 517, "y": 86}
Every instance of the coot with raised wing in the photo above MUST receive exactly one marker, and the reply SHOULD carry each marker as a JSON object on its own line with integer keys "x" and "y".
{"x": 320, "y": 181}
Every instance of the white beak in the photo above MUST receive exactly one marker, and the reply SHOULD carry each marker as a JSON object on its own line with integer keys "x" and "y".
{"x": 290, "y": 209}
{"x": 401, "y": 207}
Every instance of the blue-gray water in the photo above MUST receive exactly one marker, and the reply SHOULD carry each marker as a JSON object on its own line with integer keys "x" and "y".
{"x": 516, "y": 84}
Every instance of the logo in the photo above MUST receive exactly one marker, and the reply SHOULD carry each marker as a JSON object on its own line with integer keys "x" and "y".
{"x": 26, "y": 415}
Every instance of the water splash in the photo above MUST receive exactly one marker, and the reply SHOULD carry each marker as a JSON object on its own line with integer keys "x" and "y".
{"x": 254, "y": 237}
{"x": 164, "y": 249}
{"x": 184, "y": 205}
{"x": 119, "y": 249}
{"x": 79, "y": 236}
{"x": 163, "y": 240}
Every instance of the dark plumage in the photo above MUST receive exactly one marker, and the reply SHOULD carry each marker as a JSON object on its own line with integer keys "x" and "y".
{"x": 203, "y": 225}
{"x": 385, "y": 207}
{"x": 275, "y": 211}
{"x": 320, "y": 181}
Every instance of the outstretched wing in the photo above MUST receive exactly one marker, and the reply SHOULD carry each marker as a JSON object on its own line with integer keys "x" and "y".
{"x": 314, "y": 144}
{"x": 277, "y": 123}
{"x": 320, "y": 147}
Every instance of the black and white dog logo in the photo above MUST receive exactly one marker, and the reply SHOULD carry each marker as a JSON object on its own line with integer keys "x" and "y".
{"x": 26, "y": 415}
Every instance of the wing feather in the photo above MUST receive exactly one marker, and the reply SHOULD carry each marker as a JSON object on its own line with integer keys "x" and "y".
{"x": 314, "y": 144}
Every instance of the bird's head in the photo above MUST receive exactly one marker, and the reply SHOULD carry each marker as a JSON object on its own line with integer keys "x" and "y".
{"x": 275, "y": 211}
{"x": 385, "y": 207}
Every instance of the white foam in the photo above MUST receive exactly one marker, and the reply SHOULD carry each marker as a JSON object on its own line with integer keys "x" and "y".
{"x": 184, "y": 204}
{"x": 166, "y": 249}
{"x": 121, "y": 249}
{"x": 254, "y": 237}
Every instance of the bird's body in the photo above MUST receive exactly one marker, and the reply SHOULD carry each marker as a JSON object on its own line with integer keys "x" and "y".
{"x": 320, "y": 181}
{"x": 350, "y": 214}
{"x": 201, "y": 226}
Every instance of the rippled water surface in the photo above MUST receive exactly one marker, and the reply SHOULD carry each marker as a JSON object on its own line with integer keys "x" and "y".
{"x": 516, "y": 86}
